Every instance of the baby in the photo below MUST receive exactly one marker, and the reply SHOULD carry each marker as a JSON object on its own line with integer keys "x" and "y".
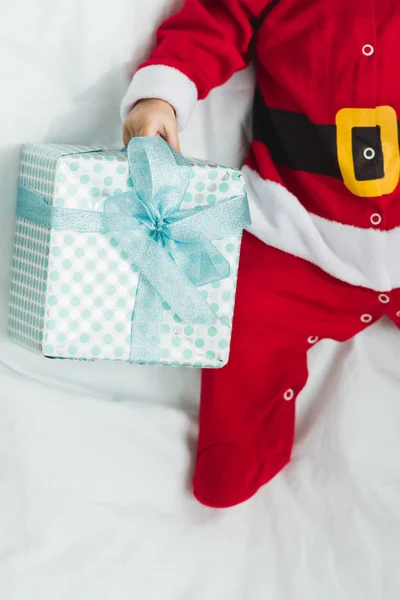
{"x": 321, "y": 257}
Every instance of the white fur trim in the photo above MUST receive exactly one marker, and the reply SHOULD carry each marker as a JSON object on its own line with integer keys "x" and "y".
{"x": 362, "y": 257}
{"x": 166, "y": 83}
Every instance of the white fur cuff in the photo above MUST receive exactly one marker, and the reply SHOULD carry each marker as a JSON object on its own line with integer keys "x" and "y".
{"x": 166, "y": 83}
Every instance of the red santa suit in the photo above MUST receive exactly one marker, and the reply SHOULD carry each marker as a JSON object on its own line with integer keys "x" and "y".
{"x": 322, "y": 173}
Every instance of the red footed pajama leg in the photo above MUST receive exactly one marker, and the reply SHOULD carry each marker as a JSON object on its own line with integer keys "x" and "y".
{"x": 247, "y": 409}
{"x": 284, "y": 305}
{"x": 246, "y": 421}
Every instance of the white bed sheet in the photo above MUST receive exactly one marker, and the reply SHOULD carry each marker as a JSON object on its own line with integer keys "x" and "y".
{"x": 95, "y": 460}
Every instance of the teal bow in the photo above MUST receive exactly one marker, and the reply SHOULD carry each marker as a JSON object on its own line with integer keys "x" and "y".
{"x": 172, "y": 247}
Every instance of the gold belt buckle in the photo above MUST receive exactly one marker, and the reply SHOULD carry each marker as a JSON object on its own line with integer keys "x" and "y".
{"x": 385, "y": 117}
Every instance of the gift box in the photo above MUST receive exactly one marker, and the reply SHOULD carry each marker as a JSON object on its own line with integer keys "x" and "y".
{"x": 128, "y": 256}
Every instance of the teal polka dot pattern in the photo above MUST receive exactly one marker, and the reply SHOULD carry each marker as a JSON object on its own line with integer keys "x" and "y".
{"x": 203, "y": 345}
{"x": 73, "y": 295}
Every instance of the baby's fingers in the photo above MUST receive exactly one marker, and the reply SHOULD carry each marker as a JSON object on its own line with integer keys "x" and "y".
{"x": 171, "y": 135}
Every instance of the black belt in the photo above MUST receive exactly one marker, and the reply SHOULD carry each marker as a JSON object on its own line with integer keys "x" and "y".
{"x": 296, "y": 142}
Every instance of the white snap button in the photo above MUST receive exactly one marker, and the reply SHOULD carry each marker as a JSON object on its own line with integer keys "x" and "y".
{"x": 398, "y": 314}
{"x": 369, "y": 153}
{"x": 288, "y": 395}
{"x": 376, "y": 219}
{"x": 366, "y": 318}
{"x": 313, "y": 339}
{"x": 368, "y": 50}
{"x": 384, "y": 298}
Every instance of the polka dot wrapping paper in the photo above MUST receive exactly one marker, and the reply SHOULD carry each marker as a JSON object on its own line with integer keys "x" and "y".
{"x": 73, "y": 294}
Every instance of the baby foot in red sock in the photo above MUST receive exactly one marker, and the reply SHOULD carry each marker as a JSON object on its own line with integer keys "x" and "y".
{"x": 225, "y": 476}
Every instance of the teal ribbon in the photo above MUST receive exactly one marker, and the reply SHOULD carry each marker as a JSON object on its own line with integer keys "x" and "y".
{"x": 172, "y": 247}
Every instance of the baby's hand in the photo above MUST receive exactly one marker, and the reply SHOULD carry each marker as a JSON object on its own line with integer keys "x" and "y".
{"x": 152, "y": 117}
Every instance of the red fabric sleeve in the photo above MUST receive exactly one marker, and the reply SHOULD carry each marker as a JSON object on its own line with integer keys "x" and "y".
{"x": 208, "y": 40}
{"x": 198, "y": 49}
